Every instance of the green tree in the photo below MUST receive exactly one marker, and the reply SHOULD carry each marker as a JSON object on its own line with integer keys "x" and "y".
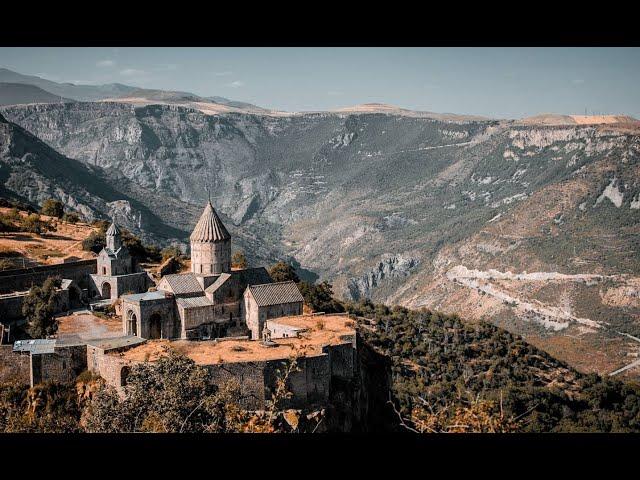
{"x": 71, "y": 217}
{"x": 238, "y": 260}
{"x": 39, "y": 307}
{"x": 95, "y": 242}
{"x": 283, "y": 272}
{"x": 172, "y": 251}
{"x": 34, "y": 224}
{"x": 170, "y": 395}
{"x": 319, "y": 297}
{"x": 53, "y": 208}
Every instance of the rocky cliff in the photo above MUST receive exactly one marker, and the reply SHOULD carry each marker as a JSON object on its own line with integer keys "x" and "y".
{"x": 386, "y": 205}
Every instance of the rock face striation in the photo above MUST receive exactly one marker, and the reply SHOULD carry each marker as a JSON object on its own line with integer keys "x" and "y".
{"x": 383, "y": 205}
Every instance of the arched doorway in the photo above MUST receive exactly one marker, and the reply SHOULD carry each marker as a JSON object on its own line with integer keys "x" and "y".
{"x": 132, "y": 323}
{"x": 155, "y": 326}
{"x": 106, "y": 290}
{"x": 75, "y": 296}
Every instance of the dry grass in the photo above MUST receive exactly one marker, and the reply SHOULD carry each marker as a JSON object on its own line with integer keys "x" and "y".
{"x": 210, "y": 352}
{"x": 65, "y": 242}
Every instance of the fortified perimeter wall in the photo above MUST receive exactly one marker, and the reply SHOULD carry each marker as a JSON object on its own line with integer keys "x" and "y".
{"x": 24, "y": 278}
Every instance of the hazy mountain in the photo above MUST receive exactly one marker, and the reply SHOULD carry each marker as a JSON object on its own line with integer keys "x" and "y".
{"x": 125, "y": 93}
{"x": 141, "y": 97}
{"x": 534, "y": 227}
{"x": 17, "y": 93}
{"x": 67, "y": 90}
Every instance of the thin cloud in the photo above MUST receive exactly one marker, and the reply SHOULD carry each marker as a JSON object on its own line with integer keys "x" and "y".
{"x": 223, "y": 74}
{"x": 235, "y": 84}
{"x": 132, "y": 72}
{"x": 166, "y": 66}
{"x": 577, "y": 81}
{"x": 105, "y": 63}
{"x": 334, "y": 93}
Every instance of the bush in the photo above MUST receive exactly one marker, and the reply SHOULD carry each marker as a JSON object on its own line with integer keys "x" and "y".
{"x": 238, "y": 260}
{"x": 319, "y": 297}
{"x": 39, "y": 307}
{"x": 34, "y": 224}
{"x": 95, "y": 242}
{"x": 71, "y": 217}
{"x": 53, "y": 208}
{"x": 283, "y": 272}
{"x": 171, "y": 252}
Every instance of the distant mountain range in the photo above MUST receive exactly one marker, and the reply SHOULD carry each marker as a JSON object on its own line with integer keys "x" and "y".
{"x": 20, "y": 93}
{"x": 530, "y": 224}
{"x": 47, "y": 91}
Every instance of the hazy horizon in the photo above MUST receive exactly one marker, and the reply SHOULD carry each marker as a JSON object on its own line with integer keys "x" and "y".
{"x": 492, "y": 82}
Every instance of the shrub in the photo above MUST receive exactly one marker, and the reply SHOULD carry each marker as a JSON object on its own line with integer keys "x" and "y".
{"x": 71, "y": 217}
{"x": 238, "y": 260}
{"x": 39, "y": 307}
{"x": 283, "y": 272}
{"x": 53, "y": 208}
{"x": 34, "y": 224}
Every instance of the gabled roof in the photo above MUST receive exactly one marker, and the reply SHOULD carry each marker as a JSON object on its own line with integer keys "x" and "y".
{"x": 143, "y": 297}
{"x": 209, "y": 228}
{"x": 218, "y": 283}
{"x": 180, "y": 284}
{"x": 121, "y": 252}
{"x": 275, "y": 293}
{"x": 194, "y": 302}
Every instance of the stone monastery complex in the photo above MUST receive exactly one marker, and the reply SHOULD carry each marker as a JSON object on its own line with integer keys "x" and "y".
{"x": 237, "y": 323}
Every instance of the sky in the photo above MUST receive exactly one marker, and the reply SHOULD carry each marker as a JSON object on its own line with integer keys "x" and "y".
{"x": 495, "y": 82}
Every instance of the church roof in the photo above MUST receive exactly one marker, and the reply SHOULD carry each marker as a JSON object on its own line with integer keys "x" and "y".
{"x": 180, "y": 283}
{"x": 275, "y": 293}
{"x": 113, "y": 230}
{"x": 194, "y": 302}
{"x": 209, "y": 228}
{"x": 218, "y": 283}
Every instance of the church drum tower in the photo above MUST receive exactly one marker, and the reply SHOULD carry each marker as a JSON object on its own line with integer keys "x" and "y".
{"x": 210, "y": 245}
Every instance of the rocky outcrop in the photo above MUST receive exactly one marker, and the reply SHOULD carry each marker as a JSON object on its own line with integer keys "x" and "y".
{"x": 390, "y": 267}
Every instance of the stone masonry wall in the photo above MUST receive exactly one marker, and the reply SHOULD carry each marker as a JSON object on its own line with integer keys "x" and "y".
{"x": 14, "y": 366}
{"x": 25, "y": 278}
{"x": 62, "y": 366}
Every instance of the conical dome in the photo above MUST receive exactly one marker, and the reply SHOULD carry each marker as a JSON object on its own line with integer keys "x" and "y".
{"x": 113, "y": 230}
{"x": 209, "y": 228}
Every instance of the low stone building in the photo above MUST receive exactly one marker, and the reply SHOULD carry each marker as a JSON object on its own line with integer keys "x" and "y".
{"x": 271, "y": 300}
{"x": 117, "y": 273}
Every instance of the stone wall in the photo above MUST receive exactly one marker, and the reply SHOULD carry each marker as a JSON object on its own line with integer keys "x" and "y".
{"x": 14, "y": 366}
{"x": 107, "y": 366}
{"x": 249, "y": 376}
{"x": 255, "y": 316}
{"x": 61, "y": 366}
{"x": 25, "y": 278}
{"x": 11, "y": 305}
{"x": 281, "y": 330}
{"x": 121, "y": 284}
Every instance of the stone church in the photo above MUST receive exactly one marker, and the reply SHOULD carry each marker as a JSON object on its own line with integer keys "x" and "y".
{"x": 209, "y": 301}
{"x": 117, "y": 273}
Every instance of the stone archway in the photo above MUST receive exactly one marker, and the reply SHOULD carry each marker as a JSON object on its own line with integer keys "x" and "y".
{"x": 132, "y": 323}
{"x": 106, "y": 290}
{"x": 155, "y": 326}
{"x": 75, "y": 296}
